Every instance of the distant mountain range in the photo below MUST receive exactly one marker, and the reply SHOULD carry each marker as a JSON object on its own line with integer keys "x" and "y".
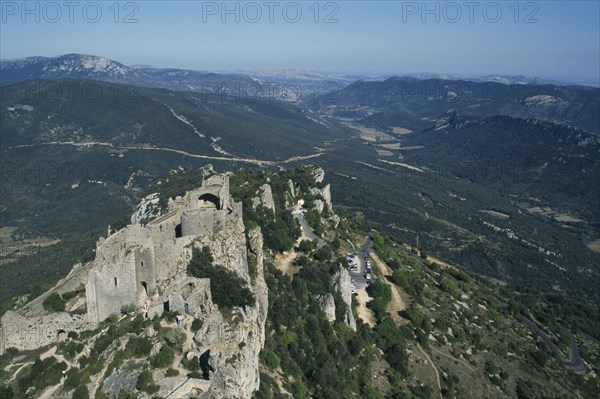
{"x": 413, "y": 103}
{"x": 292, "y": 85}
{"x": 504, "y": 79}
{"x": 287, "y": 85}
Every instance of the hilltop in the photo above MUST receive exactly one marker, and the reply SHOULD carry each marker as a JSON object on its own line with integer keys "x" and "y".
{"x": 420, "y": 329}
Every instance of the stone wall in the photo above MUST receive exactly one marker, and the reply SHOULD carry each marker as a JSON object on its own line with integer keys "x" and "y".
{"x": 27, "y": 333}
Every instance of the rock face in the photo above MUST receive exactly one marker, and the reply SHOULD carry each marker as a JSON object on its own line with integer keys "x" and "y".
{"x": 146, "y": 210}
{"x": 326, "y": 194}
{"x": 328, "y": 306}
{"x": 319, "y": 205}
{"x": 121, "y": 381}
{"x": 231, "y": 345}
{"x": 342, "y": 283}
{"x": 318, "y": 174}
{"x": 265, "y": 198}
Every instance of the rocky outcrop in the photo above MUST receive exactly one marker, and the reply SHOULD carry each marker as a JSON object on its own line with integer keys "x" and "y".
{"x": 231, "y": 344}
{"x": 122, "y": 380}
{"x": 335, "y": 219}
{"x": 319, "y": 205}
{"x": 292, "y": 188}
{"x": 265, "y": 198}
{"x": 342, "y": 282}
{"x": 318, "y": 174}
{"x": 324, "y": 193}
{"x": 147, "y": 209}
{"x": 328, "y": 305}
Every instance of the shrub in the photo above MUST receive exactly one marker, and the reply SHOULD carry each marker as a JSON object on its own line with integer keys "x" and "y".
{"x": 54, "y": 303}
{"x": 138, "y": 347}
{"x": 196, "y": 325}
{"x": 146, "y": 382}
{"x": 171, "y": 372}
{"x": 6, "y": 392}
{"x": 193, "y": 364}
{"x": 73, "y": 379}
{"x": 382, "y": 296}
{"x": 81, "y": 392}
{"x": 306, "y": 246}
{"x": 128, "y": 309}
{"x": 196, "y": 374}
{"x": 269, "y": 358}
{"x": 173, "y": 337}
{"x": 227, "y": 288}
{"x": 163, "y": 358}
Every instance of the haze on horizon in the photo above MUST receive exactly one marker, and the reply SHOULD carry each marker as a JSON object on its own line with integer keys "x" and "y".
{"x": 552, "y": 40}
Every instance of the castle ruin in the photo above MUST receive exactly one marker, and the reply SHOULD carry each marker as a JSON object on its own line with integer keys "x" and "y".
{"x": 143, "y": 266}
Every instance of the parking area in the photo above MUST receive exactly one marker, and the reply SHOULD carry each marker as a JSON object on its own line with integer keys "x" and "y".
{"x": 359, "y": 267}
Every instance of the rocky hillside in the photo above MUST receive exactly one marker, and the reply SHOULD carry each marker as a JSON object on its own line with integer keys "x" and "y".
{"x": 520, "y": 157}
{"x": 411, "y": 103}
{"x": 416, "y": 327}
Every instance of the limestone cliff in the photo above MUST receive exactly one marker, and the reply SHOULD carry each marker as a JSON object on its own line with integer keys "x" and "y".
{"x": 265, "y": 198}
{"x": 342, "y": 282}
{"x": 233, "y": 343}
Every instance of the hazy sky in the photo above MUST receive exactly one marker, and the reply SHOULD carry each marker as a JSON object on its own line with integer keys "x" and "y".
{"x": 555, "y": 39}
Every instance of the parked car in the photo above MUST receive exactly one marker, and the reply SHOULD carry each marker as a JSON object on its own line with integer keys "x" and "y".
{"x": 368, "y": 276}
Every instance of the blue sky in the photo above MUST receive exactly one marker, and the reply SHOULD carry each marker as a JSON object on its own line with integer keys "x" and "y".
{"x": 551, "y": 39}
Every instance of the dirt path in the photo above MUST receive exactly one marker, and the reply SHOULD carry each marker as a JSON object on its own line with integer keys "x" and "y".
{"x": 16, "y": 372}
{"x": 438, "y": 262}
{"x": 49, "y": 392}
{"x": 283, "y": 262}
{"x": 363, "y": 312}
{"x": 437, "y": 374}
{"x": 397, "y": 304}
{"x": 462, "y": 362}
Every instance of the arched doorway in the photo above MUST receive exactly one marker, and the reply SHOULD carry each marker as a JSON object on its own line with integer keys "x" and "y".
{"x": 61, "y": 335}
{"x": 144, "y": 288}
{"x": 178, "y": 232}
{"x": 209, "y": 201}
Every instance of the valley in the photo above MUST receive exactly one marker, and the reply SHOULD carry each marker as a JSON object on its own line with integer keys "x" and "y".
{"x": 480, "y": 220}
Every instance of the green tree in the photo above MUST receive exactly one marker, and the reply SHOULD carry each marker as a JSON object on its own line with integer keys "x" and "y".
{"x": 81, "y": 392}
{"x": 269, "y": 358}
{"x": 196, "y": 325}
{"x": 163, "y": 358}
{"x": 227, "y": 288}
{"x": 54, "y": 303}
{"x": 146, "y": 382}
{"x": 382, "y": 294}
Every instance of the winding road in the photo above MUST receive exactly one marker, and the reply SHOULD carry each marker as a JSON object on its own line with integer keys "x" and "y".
{"x": 575, "y": 363}
{"x": 253, "y": 161}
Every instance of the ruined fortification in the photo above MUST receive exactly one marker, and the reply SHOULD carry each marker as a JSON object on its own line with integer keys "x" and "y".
{"x": 144, "y": 267}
